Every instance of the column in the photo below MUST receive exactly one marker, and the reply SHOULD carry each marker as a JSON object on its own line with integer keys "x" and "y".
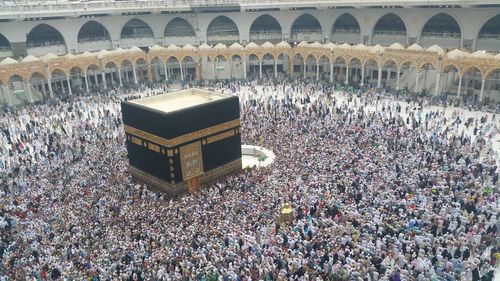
{"x": 51, "y": 93}
{"x": 112, "y": 77}
{"x": 397, "y": 79}
{"x": 379, "y": 80}
{"x": 388, "y": 77}
{"x": 135, "y": 74}
{"x": 317, "y": 71}
{"x": 275, "y": 68}
{"x": 482, "y": 90}
{"x": 331, "y": 72}
{"x": 96, "y": 81}
{"x": 126, "y": 75}
{"x": 346, "y": 82}
{"x": 70, "y": 92}
{"x": 120, "y": 77}
{"x": 416, "y": 81}
{"x": 305, "y": 69}
{"x": 103, "y": 78}
{"x": 6, "y": 94}
{"x": 198, "y": 70}
{"x": 166, "y": 73}
{"x": 4, "y": 97}
{"x": 30, "y": 94}
{"x": 182, "y": 72}
{"x": 459, "y": 84}
{"x": 86, "y": 82}
{"x": 244, "y": 69}
{"x": 62, "y": 85}
{"x": 43, "y": 90}
{"x": 438, "y": 77}
{"x": 362, "y": 76}
{"x": 215, "y": 71}
{"x": 260, "y": 69}
{"x": 156, "y": 72}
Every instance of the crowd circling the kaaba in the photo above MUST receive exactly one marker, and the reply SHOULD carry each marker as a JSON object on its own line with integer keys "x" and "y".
{"x": 381, "y": 190}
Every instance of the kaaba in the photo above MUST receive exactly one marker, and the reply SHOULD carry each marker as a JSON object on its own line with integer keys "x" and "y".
{"x": 178, "y": 141}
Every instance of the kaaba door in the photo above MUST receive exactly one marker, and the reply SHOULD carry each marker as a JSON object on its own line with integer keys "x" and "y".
{"x": 193, "y": 184}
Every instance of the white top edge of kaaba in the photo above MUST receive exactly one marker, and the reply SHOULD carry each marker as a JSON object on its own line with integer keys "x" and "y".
{"x": 180, "y": 99}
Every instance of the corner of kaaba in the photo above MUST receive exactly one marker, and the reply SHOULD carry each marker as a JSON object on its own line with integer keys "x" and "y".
{"x": 179, "y": 141}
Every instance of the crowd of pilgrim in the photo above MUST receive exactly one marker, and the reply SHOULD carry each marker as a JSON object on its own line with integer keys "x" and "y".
{"x": 381, "y": 190}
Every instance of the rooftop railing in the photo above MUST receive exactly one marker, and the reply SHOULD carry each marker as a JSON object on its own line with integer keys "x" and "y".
{"x": 7, "y": 7}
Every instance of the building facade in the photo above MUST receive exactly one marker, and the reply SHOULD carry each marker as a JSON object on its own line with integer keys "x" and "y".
{"x": 436, "y": 48}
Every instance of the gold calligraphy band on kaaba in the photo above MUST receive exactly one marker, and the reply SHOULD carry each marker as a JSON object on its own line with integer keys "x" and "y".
{"x": 220, "y": 136}
{"x": 184, "y": 138}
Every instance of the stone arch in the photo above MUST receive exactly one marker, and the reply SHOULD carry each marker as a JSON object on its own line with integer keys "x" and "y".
{"x": 93, "y": 31}
{"x": 441, "y": 29}
{"x": 340, "y": 69}
{"x": 178, "y": 27}
{"x": 324, "y": 58}
{"x": 471, "y": 69}
{"x": 449, "y": 66}
{"x": 237, "y": 67}
{"x": 221, "y": 67}
{"x": 311, "y": 65}
{"x": 37, "y": 80}
{"x": 472, "y": 79}
{"x": 371, "y": 62}
{"x": 45, "y": 38}
{"x": 173, "y": 64}
{"x": 157, "y": 68}
{"x": 268, "y": 60}
{"x": 94, "y": 74}
{"x": 306, "y": 27}
{"x": 492, "y": 85}
{"x": 222, "y": 30}
{"x": 253, "y": 65}
{"x": 127, "y": 68}
{"x": 324, "y": 67}
{"x": 93, "y": 66}
{"x": 390, "y": 67}
{"x": 179, "y": 31}
{"x": 156, "y": 58}
{"x": 389, "y": 29}
{"x": 59, "y": 82}
{"x": 136, "y": 28}
{"x": 76, "y": 75}
{"x": 390, "y": 62}
{"x": 111, "y": 70}
{"x": 141, "y": 67}
{"x": 355, "y": 69}
{"x": 94, "y": 36}
{"x": 38, "y": 73}
{"x": 15, "y": 86}
{"x": 346, "y": 29}
{"x": 423, "y": 80}
{"x": 491, "y": 71}
{"x": 58, "y": 70}
{"x": 409, "y": 69}
{"x": 265, "y": 28}
{"x": 16, "y": 77}
{"x": 188, "y": 67}
{"x": 75, "y": 69}
{"x": 488, "y": 37}
{"x": 355, "y": 59}
{"x": 4, "y": 44}
{"x": 268, "y": 56}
